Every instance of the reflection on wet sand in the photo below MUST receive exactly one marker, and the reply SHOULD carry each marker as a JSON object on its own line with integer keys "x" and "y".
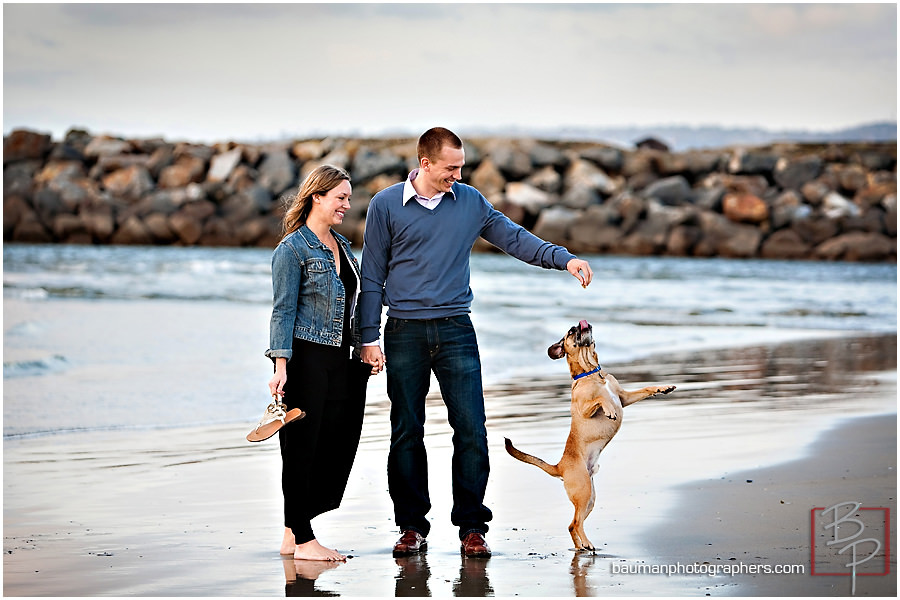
{"x": 412, "y": 578}
{"x": 473, "y": 579}
{"x": 582, "y": 565}
{"x": 300, "y": 576}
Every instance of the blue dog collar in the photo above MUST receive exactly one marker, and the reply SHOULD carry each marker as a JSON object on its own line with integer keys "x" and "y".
{"x": 597, "y": 370}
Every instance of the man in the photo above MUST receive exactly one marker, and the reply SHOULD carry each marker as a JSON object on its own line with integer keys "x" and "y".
{"x": 418, "y": 240}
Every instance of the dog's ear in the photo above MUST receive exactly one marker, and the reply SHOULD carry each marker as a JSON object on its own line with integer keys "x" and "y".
{"x": 556, "y": 350}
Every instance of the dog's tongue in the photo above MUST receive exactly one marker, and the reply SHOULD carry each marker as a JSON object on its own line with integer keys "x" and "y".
{"x": 583, "y": 324}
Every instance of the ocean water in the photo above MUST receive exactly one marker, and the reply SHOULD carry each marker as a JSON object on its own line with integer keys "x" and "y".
{"x": 118, "y": 338}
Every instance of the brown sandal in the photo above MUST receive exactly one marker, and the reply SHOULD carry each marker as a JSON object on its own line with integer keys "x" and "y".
{"x": 274, "y": 419}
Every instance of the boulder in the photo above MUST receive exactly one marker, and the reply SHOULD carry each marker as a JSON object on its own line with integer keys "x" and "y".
{"x": 512, "y": 162}
{"x": 162, "y": 157}
{"x": 814, "y": 229}
{"x": 553, "y": 224}
{"x": 815, "y": 191}
{"x": 744, "y": 162}
{"x": 546, "y": 179}
{"x": 70, "y": 228}
{"x": 199, "y": 151}
{"x": 528, "y": 197}
{"x": 835, "y": 206}
{"x": 163, "y": 202}
{"x": 54, "y": 171}
{"x": 129, "y": 183}
{"x": 652, "y": 234}
{"x": 858, "y": 246}
{"x": 249, "y": 232}
{"x": 671, "y": 191}
{"x": 545, "y": 155}
{"x": 375, "y": 185}
{"x": 308, "y": 150}
{"x": 132, "y": 231}
{"x": 738, "y": 184}
{"x": 487, "y": 178}
{"x": 723, "y": 237}
{"x": 186, "y": 226}
{"x": 187, "y": 169}
{"x": 876, "y": 160}
{"x": 700, "y": 163}
{"x": 586, "y": 184}
{"x": 682, "y": 240}
{"x": 629, "y": 207}
{"x": 745, "y": 208}
{"x": 99, "y": 221}
{"x": 106, "y": 146}
{"x": 853, "y": 178}
{"x": 217, "y": 232}
{"x": 594, "y": 230}
{"x": 24, "y": 144}
{"x": 277, "y": 172}
{"x": 514, "y": 212}
{"x": 18, "y": 178}
{"x": 872, "y": 194}
{"x": 158, "y": 226}
{"x": 222, "y": 165}
{"x": 793, "y": 173}
{"x": 47, "y": 204}
{"x": 368, "y": 163}
{"x": 890, "y": 215}
{"x": 785, "y": 244}
{"x": 30, "y": 230}
{"x": 872, "y": 221}
{"x": 14, "y": 209}
{"x": 784, "y": 209}
{"x": 611, "y": 160}
{"x": 709, "y": 198}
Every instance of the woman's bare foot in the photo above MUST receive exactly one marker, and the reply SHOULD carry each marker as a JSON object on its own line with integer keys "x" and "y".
{"x": 287, "y": 543}
{"x": 313, "y": 550}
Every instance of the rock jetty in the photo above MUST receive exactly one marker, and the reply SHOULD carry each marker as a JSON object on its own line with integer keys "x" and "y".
{"x": 782, "y": 201}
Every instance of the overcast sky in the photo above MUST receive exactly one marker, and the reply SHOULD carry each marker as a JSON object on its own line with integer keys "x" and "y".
{"x": 210, "y": 72}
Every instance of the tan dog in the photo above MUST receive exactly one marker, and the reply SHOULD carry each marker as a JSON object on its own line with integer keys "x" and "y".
{"x": 597, "y": 403}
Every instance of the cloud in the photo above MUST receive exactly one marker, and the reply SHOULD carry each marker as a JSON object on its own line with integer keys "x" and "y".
{"x": 250, "y": 70}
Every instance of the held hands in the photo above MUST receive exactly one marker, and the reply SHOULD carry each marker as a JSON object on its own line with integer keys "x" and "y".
{"x": 372, "y": 355}
{"x": 580, "y": 270}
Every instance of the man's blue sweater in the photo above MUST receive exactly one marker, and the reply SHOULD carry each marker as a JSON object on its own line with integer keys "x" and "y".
{"x": 416, "y": 260}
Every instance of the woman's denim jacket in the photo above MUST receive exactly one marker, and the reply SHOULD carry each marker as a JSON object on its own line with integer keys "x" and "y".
{"x": 308, "y": 296}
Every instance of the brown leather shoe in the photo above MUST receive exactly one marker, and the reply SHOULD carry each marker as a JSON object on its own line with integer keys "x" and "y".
{"x": 411, "y": 542}
{"x": 474, "y": 545}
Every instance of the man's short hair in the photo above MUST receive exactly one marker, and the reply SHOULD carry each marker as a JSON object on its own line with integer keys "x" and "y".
{"x": 431, "y": 142}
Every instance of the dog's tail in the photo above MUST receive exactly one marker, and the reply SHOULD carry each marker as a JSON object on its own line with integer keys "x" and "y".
{"x": 551, "y": 470}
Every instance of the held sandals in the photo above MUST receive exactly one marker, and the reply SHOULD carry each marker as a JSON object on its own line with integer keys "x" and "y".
{"x": 275, "y": 417}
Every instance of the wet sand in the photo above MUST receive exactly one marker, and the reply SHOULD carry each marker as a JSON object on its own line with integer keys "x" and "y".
{"x": 197, "y": 511}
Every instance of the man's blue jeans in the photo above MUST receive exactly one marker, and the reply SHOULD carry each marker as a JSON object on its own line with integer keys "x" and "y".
{"x": 447, "y": 346}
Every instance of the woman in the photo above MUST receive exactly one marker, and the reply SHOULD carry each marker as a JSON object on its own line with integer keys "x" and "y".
{"x": 315, "y": 280}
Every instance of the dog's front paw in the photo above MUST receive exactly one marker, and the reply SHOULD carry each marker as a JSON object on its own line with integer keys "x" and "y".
{"x": 611, "y": 417}
{"x": 664, "y": 390}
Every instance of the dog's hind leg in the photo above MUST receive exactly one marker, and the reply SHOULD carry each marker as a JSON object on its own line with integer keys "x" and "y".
{"x": 580, "y": 488}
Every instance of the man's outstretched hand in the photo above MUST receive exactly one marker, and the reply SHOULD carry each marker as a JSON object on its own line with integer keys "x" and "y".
{"x": 580, "y": 270}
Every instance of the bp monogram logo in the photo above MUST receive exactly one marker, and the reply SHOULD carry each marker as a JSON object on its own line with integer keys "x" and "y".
{"x": 850, "y": 540}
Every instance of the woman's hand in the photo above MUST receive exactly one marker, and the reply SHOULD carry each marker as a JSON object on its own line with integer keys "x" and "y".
{"x": 276, "y": 384}
{"x": 372, "y": 355}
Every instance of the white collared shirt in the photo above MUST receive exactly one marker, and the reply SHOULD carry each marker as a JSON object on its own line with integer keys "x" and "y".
{"x": 409, "y": 192}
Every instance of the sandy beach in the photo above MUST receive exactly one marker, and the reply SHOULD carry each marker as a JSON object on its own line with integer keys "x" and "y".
{"x": 197, "y": 511}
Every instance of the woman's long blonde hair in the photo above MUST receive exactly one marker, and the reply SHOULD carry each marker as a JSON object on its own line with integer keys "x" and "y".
{"x": 322, "y": 180}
